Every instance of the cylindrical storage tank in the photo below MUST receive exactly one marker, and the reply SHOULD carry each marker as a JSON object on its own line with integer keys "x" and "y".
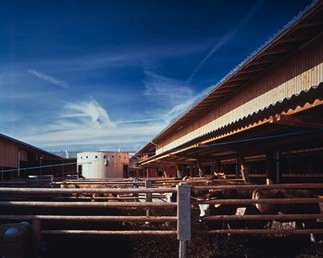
{"x": 103, "y": 164}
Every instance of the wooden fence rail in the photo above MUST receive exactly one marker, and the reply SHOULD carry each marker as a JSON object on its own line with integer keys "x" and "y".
{"x": 9, "y": 205}
{"x": 149, "y": 204}
{"x": 281, "y": 218}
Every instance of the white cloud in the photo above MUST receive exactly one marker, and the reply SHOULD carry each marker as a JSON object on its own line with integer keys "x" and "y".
{"x": 86, "y": 125}
{"x": 48, "y": 78}
{"x": 171, "y": 98}
{"x": 89, "y": 113}
{"x": 164, "y": 90}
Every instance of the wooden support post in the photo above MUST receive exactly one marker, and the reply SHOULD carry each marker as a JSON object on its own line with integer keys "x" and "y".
{"x": 269, "y": 168}
{"x": 178, "y": 171}
{"x": 191, "y": 170}
{"x": 278, "y": 172}
{"x": 244, "y": 170}
{"x": 165, "y": 171}
{"x": 148, "y": 184}
{"x": 183, "y": 217}
{"x": 36, "y": 237}
{"x": 237, "y": 167}
{"x": 218, "y": 166}
{"x": 199, "y": 167}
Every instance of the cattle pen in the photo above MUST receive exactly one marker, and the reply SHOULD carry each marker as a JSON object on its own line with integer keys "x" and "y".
{"x": 107, "y": 207}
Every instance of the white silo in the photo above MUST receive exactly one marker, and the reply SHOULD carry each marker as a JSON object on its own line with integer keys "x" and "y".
{"x": 103, "y": 164}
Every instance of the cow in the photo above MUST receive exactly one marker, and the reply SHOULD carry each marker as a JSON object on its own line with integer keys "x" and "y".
{"x": 109, "y": 196}
{"x": 290, "y": 208}
{"x": 92, "y": 196}
{"x": 228, "y": 209}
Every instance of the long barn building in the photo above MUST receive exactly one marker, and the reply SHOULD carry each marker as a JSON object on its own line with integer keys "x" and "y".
{"x": 265, "y": 115}
{"x": 18, "y": 160}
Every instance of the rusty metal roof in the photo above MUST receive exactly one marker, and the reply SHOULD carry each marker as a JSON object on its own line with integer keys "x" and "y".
{"x": 299, "y": 32}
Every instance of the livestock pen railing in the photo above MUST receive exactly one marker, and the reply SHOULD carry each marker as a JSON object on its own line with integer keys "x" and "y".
{"x": 39, "y": 206}
{"x": 296, "y": 205}
{"x": 144, "y": 206}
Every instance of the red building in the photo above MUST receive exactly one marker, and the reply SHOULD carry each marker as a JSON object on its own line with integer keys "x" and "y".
{"x": 18, "y": 160}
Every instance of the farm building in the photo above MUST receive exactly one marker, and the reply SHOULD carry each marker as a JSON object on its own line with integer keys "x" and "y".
{"x": 103, "y": 164}
{"x": 264, "y": 117}
{"x": 18, "y": 160}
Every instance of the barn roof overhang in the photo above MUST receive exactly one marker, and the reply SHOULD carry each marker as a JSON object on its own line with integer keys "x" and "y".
{"x": 303, "y": 29}
{"x": 294, "y": 123}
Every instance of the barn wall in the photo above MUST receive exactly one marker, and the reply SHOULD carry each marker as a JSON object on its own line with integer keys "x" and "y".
{"x": 8, "y": 154}
{"x": 293, "y": 75}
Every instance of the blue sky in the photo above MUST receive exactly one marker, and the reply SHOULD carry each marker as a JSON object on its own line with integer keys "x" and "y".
{"x": 108, "y": 75}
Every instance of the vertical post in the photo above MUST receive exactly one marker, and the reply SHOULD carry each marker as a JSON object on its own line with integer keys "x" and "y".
{"x": 178, "y": 171}
{"x": 36, "y": 237}
{"x": 63, "y": 168}
{"x": 148, "y": 184}
{"x": 199, "y": 167}
{"x": 278, "y": 172}
{"x": 18, "y": 164}
{"x": 269, "y": 168}
{"x": 244, "y": 170}
{"x": 1, "y": 163}
{"x": 165, "y": 171}
{"x": 40, "y": 165}
{"x": 183, "y": 217}
{"x": 218, "y": 166}
{"x": 237, "y": 167}
{"x": 191, "y": 170}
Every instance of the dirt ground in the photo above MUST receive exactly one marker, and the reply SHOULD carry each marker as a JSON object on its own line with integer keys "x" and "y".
{"x": 201, "y": 245}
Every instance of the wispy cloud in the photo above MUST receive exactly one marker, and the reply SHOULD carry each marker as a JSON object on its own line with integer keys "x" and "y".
{"x": 48, "y": 78}
{"x": 86, "y": 125}
{"x": 165, "y": 91}
{"x": 170, "y": 97}
{"x": 225, "y": 38}
{"x": 89, "y": 113}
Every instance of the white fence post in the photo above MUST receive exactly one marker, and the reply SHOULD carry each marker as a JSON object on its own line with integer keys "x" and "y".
{"x": 183, "y": 217}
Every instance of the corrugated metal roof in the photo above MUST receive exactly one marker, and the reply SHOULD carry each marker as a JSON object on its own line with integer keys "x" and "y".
{"x": 294, "y": 102}
{"x": 290, "y": 38}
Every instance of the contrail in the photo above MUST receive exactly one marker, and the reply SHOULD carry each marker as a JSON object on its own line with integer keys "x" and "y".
{"x": 224, "y": 39}
{"x": 48, "y": 78}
